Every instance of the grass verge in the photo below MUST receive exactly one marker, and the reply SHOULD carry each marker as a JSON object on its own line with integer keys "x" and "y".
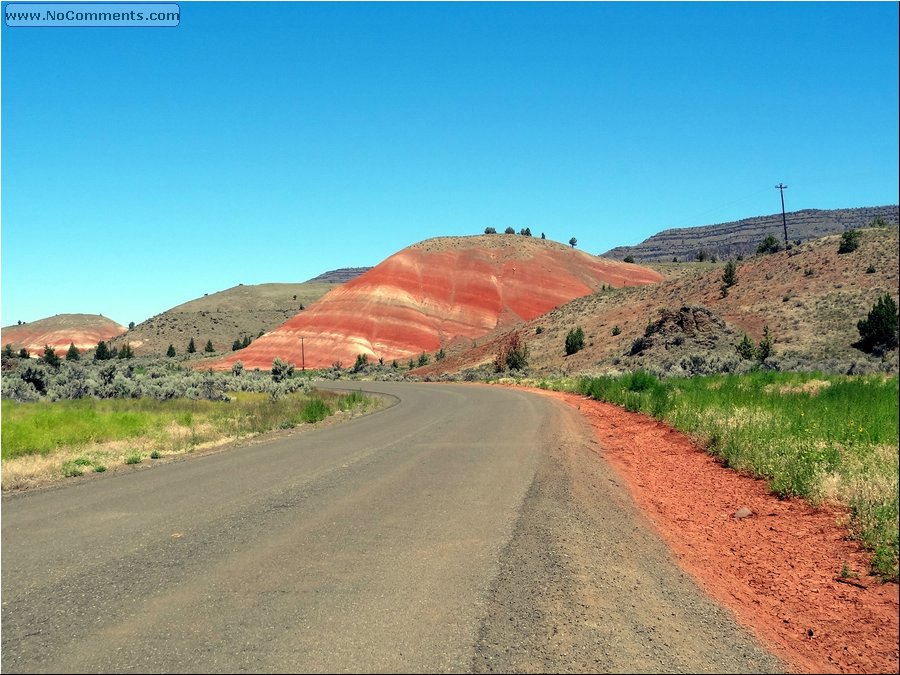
{"x": 45, "y": 441}
{"x": 821, "y": 437}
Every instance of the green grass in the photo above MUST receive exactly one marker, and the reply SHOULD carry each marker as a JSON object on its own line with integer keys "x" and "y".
{"x": 44, "y": 427}
{"x": 820, "y": 437}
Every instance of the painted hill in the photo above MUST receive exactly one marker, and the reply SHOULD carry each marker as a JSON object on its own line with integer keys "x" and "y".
{"x": 437, "y": 293}
{"x": 811, "y": 297}
{"x": 223, "y": 317}
{"x": 741, "y": 237}
{"x": 82, "y": 330}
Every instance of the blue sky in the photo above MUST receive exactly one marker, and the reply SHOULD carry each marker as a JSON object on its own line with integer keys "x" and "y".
{"x": 257, "y": 142}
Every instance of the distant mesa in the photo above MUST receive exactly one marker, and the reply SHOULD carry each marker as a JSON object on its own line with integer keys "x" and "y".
{"x": 60, "y": 331}
{"x": 435, "y": 293}
{"x": 741, "y": 237}
{"x": 339, "y": 276}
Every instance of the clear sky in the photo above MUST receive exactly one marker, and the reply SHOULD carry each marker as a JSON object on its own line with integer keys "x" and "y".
{"x": 257, "y": 142}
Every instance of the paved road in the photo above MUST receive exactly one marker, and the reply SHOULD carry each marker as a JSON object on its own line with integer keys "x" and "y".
{"x": 400, "y": 541}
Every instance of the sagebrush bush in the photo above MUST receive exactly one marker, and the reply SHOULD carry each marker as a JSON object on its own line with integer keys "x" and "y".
{"x": 32, "y": 380}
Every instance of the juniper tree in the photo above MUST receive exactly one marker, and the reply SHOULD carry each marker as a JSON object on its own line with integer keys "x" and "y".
{"x": 878, "y": 331}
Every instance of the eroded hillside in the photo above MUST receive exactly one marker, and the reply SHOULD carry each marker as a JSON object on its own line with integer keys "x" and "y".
{"x": 437, "y": 294}
{"x": 810, "y": 297}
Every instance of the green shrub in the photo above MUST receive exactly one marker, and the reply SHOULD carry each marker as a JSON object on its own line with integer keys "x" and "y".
{"x": 729, "y": 274}
{"x": 849, "y": 241}
{"x": 50, "y": 357}
{"x": 362, "y": 360}
{"x": 616, "y": 330}
{"x": 878, "y": 332}
{"x": 746, "y": 349}
{"x": 513, "y": 354}
{"x": 769, "y": 245}
{"x": 574, "y": 341}
{"x": 133, "y": 458}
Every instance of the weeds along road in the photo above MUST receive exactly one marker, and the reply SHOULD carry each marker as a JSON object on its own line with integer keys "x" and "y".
{"x": 466, "y": 528}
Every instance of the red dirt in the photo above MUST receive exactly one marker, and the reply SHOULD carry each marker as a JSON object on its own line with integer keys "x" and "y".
{"x": 779, "y": 569}
{"x": 435, "y": 293}
{"x": 82, "y": 330}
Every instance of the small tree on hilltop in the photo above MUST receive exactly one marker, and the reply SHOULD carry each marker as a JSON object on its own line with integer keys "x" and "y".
{"x": 509, "y": 230}
{"x": 573, "y": 242}
{"x": 849, "y": 241}
{"x": 769, "y": 245}
{"x": 490, "y": 230}
{"x": 878, "y": 331}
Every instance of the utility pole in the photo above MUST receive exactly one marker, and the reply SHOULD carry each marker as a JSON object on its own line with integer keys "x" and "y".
{"x": 781, "y": 187}
{"x": 302, "y": 355}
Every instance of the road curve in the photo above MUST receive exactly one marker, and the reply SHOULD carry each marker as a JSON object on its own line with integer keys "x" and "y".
{"x": 427, "y": 537}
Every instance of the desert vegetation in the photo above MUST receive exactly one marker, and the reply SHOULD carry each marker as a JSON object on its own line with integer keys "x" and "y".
{"x": 66, "y": 421}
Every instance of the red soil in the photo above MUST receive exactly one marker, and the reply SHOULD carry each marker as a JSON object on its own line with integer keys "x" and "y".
{"x": 82, "y": 330}
{"x": 435, "y": 293}
{"x": 778, "y": 569}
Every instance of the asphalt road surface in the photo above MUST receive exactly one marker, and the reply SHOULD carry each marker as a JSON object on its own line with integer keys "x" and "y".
{"x": 466, "y": 528}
